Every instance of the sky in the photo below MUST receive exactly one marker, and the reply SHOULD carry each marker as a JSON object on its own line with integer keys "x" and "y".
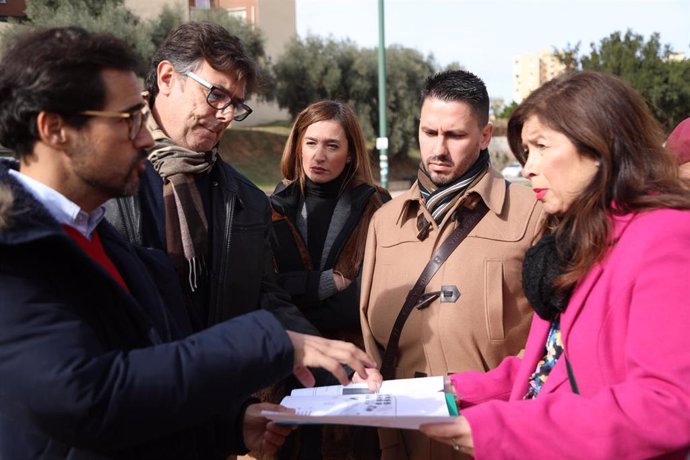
{"x": 484, "y": 36}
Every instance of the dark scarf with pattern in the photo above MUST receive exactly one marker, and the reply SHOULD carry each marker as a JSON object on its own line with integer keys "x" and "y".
{"x": 439, "y": 199}
{"x": 186, "y": 226}
{"x": 542, "y": 265}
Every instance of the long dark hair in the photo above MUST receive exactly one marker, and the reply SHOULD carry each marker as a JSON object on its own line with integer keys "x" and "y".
{"x": 609, "y": 122}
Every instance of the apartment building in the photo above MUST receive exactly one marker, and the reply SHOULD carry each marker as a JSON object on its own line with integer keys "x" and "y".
{"x": 12, "y": 9}
{"x": 531, "y": 70}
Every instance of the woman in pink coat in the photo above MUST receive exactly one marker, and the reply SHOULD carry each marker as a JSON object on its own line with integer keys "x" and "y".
{"x": 606, "y": 369}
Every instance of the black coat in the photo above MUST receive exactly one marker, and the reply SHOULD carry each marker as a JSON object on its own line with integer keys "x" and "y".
{"x": 241, "y": 272}
{"x": 340, "y": 311}
{"x": 88, "y": 370}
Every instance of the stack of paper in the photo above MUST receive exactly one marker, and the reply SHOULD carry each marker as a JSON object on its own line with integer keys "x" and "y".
{"x": 404, "y": 403}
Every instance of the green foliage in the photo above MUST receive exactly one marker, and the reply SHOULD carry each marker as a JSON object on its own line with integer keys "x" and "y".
{"x": 168, "y": 20}
{"x": 507, "y": 111}
{"x": 316, "y": 68}
{"x": 647, "y": 66}
{"x": 569, "y": 56}
{"x": 93, "y": 15}
{"x": 112, "y": 16}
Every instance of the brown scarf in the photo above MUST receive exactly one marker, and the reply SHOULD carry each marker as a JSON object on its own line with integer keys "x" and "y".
{"x": 186, "y": 226}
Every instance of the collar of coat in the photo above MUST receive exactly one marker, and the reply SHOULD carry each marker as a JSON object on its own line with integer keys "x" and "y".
{"x": 490, "y": 188}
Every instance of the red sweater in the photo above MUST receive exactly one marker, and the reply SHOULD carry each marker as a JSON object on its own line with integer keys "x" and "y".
{"x": 94, "y": 248}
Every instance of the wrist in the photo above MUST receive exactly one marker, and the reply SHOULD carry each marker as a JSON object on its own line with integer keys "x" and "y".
{"x": 337, "y": 275}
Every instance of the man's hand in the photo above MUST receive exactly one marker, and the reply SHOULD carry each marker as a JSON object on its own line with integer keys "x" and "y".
{"x": 313, "y": 351}
{"x": 262, "y": 436}
{"x": 374, "y": 379}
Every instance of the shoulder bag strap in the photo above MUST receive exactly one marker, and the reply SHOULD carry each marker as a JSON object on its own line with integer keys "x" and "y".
{"x": 416, "y": 297}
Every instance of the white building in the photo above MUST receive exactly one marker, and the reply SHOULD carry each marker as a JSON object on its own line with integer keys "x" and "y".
{"x": 531, "y": 70}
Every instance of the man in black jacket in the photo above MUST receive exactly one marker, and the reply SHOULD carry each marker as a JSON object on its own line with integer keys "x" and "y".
{"x": 97, "y": 357}
{"x": 210, "y": 219}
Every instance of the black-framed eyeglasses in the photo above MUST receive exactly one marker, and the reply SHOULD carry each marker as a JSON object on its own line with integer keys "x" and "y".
{"x": 220, "y": 99}
{"x": 135, "y": 118}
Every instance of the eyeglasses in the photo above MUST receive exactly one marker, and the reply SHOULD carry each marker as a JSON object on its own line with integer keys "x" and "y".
{"x": 135, "y": 118}
{"x": 221, "y": 100}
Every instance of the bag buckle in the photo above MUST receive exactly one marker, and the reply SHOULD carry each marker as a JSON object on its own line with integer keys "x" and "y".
{"x": 449, "y": 293}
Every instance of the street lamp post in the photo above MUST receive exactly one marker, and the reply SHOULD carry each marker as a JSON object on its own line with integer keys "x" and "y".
{"x": 382, "y": 140}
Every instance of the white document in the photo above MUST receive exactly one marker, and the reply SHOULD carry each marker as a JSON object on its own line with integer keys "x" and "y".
{"x": 404, "y": 403}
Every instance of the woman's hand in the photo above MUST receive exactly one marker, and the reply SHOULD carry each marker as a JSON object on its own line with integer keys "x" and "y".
{"x": 457, "y": 434}
{"x": 340, "y": 281}
{"x": 374, "y": 379}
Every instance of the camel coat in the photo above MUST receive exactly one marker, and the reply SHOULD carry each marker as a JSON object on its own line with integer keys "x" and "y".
{"x": 489, "y": 321}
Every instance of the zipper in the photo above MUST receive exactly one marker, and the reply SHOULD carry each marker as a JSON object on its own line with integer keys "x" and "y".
{"x": 229, "y": 216}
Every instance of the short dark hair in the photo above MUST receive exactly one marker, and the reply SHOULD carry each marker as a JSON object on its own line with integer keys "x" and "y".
{"x": 193, "y": 42}
{"x": 55, "y": 70}
{"x": 459, "y": 86}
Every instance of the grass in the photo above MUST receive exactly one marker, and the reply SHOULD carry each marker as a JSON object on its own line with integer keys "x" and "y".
{"x": 256, "y": 153}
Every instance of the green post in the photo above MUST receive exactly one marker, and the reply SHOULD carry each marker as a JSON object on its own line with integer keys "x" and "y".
{"x": 382, "y": 141}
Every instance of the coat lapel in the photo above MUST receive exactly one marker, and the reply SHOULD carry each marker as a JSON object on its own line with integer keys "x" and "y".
{"x": 559, "y": 374}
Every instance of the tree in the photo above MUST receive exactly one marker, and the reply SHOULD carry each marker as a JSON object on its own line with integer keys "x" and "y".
{"x": 648, "y": 66}
{"x": 168, "y": 20}
{"x": 112, "y": 16}
{"x": 310, "y": 70}
{"x": 93, "y": 15}
{"x": 317, "y": 68}
{"x": 405, "y": 74}
{"x": 569, "y": 56}
{"x": 507, "y": 110}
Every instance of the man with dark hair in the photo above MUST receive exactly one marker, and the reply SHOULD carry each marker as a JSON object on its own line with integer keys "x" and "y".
{"x": 211, "y": 220}
{"x": 96, "y": 353}
{"x": 472, "y": 311}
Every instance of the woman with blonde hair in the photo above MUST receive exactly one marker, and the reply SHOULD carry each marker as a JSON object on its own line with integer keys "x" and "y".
{"x": 321, "y": 212}
{"x": 606, "y": 371}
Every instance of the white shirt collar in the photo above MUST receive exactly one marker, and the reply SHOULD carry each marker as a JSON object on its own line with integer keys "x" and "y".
{"x": 60, "y": 207}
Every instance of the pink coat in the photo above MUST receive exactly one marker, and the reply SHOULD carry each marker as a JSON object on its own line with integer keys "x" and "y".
{"x": 626, "y": 332}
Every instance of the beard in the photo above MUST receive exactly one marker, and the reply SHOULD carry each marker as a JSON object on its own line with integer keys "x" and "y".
{"x": 440, "y": 179}
{"x": 104, "y": 178}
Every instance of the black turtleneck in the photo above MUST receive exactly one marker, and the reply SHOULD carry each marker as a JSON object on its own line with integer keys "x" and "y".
{"x": 320, "y": 200}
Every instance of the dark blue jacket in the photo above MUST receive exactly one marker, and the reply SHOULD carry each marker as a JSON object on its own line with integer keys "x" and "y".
{"x": 88, "y": 370}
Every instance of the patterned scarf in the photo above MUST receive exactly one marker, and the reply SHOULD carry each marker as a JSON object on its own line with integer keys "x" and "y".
{"x": 186, "y": 226}
{"x": 438, "y": 200}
